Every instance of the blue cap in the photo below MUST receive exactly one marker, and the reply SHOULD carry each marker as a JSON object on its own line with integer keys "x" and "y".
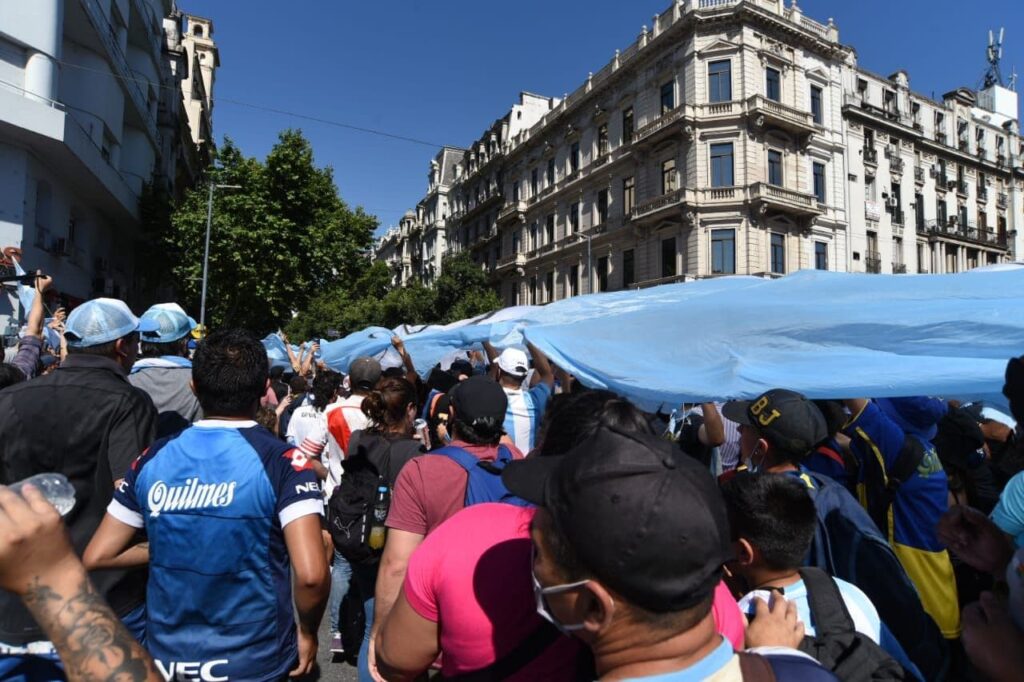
{"x": 172, "y": 323}
{"x": 918, "y": 416}
{"x": 102, "y": 320}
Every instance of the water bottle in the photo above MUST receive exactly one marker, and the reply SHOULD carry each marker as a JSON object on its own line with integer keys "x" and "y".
{"x": 422, "y": 432}
{"x": 380, "y": 514}
{"x": 54, "y": 487}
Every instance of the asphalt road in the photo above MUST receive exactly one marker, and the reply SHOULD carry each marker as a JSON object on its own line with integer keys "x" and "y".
{"x": 330, "y": 670}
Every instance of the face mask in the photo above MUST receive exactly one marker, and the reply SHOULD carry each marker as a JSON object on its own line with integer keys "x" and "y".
{"x": 542, "y": 604}
{"x": 755, "y": 467}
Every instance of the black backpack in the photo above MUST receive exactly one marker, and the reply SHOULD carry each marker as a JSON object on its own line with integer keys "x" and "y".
{"x": 852, "y": 656}
{"x": 350, "y": 509}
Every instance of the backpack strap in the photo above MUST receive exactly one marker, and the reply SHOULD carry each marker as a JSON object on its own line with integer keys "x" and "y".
{"x": 461, "y": 457}
{"x": 526, "y": 651}
{"x": 906, "y": 463}
{"x": 828, "y": 610}
{"x": 755, "y": 668}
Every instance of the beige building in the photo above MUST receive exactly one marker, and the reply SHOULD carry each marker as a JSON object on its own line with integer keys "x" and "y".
{"x": 735, "y": 137}
{"x": 713, "y": 145}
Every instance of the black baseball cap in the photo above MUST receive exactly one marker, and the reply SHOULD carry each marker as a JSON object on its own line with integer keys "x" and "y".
{"x": 477, "y": 399}
{"x": 643, "y": 518}
{"x": 786, "y": 419}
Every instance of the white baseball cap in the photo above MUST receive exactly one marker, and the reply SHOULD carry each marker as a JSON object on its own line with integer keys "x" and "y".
{"x": 514, "y": 361}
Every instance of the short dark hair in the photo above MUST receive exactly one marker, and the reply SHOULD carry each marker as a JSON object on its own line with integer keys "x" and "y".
{"x": 155, "y": 350}
{"x": 484, "y": 431}
{"x": 10, "y": 375}
{"x": 572, "y": 569}
{"x": 104, "y": 349}
{"x": 774, "y": 513}
{"x": 230, "y": 372}
{"x": 572, "y": 418}
{"x": 325, "y": 385}
{"x": 298, "y": 384}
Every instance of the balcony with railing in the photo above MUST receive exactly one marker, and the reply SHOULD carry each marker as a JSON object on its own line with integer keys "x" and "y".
{"x": 658, "y": 207}
{"x": 962, "y": 187}
{"x": 722, "y": 195}
{"x": 873, "y": 262}
{"x": 919, "y": 175}
{"x": 515, "y": 260}
{"x": 952, "y": 229}
{"x": 660, "y": 128}
{"x": 899, "y": 268}
{"x": 784, "y": 200}
{"x": 870, "y": 156}
{"x": 768, "y": 112}
{"x": 511, "y": 212}
{"x": 1002, "y": 200}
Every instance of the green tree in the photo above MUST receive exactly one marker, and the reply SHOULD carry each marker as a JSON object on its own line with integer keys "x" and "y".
{"x": 463, "y": 290}
{"x": 276, "y": 243}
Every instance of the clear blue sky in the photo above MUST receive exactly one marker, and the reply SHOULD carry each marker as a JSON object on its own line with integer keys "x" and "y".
{"x": 443, "y": 71}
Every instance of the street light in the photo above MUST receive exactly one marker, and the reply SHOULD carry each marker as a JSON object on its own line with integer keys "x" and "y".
{"x": 206, "y": 252}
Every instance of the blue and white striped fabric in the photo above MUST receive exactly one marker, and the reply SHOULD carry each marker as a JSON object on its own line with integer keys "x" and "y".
{"x": 525, "y": 409}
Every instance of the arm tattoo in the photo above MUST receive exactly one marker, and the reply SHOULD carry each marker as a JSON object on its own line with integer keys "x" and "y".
{"x": 91, "y": 640}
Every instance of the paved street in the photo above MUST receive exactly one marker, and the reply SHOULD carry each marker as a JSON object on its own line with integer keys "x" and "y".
{"x": 330, "y": 671}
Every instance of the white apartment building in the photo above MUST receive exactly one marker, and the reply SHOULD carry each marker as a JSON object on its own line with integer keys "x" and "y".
{"x": 432, "y": 215}
{"x": 736, "y": 137}
{"x": 939, "y": 182}
{"x": 90, "y": 113}
{"x": 399, "y": 247}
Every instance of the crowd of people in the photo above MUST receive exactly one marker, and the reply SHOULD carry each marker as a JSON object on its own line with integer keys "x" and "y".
{"x": 494, "y": 520}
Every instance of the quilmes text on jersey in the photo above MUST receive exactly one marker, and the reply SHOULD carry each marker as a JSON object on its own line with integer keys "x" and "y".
{"x": 191, "y": 495}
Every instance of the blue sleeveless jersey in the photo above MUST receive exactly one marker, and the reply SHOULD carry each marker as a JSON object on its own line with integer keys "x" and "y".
{"x": 214, "y": 501}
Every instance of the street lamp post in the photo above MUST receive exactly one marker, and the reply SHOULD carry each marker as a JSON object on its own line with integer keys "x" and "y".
{"x": 206, "y": 251}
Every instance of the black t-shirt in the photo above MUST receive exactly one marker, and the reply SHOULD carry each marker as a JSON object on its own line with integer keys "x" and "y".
{"x": 689, "y": 440}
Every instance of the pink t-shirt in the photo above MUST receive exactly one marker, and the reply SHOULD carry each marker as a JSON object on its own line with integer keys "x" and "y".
{"x": 728, "y": 618}
{"x": 472, "y": 577}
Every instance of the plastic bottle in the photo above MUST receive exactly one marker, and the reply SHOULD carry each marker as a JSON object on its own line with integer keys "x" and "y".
{"x": 380, "y": 514}
{"x": 56, "y": 488}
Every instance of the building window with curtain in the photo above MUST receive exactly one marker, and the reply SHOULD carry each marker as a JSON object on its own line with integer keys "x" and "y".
{"x": 820, "y": 256}
{"x": 778, "y": 246}
{"x": 668, "y": 176}
{"x": 628, "y": 195}
{"x": 720, "y": 81}
{"x": 775, "y": 167}
{"x": 773, "y": 84}
{"x": 627, "y": 126}
{"x": 818, "y": 171}
{"x": 817, "y": 114}
{"x": 721, "y": 165}
{"x": 668, "y": 97}
{"x": 723, "y": 252}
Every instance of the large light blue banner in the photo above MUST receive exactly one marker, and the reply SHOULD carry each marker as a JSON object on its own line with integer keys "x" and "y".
{"x": 822, "y": 333}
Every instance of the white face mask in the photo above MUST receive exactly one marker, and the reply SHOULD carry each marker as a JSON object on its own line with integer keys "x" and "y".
{"x": 542, "y": 605}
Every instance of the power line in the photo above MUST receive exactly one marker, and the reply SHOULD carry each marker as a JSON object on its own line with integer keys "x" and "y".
{"x": 260, "y": 107}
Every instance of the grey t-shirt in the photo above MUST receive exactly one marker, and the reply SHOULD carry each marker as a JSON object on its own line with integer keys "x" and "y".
{"x": 168, "y": 387}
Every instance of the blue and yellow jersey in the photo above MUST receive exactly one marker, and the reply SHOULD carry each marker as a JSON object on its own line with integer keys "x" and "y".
{"x": 920, "y": 501}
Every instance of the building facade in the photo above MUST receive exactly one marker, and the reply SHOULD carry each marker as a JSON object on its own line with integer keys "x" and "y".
{"x": 91, "y": 113}
{"x": 939, "y": 181}
{"x": 736, "y": 137}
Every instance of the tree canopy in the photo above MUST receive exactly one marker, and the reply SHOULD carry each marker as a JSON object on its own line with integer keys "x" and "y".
{"x": 280, "y": 240}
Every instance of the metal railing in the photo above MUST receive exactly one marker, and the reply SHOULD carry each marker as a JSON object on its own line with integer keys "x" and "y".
{"x": 658, "y": 203}
{"x": 870, "y": 155}
{"x": 873, "y": 262}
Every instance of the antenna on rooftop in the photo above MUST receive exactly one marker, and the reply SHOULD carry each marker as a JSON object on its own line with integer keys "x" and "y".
{"x": 993, "y": 55}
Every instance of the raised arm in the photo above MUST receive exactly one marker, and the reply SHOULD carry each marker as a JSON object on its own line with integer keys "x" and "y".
{"x": 294, "y": 361}
{"x": 410, "y": 368}
{"x": 492, "y": 359}
{"x": 542, "y": 365}
{"x": 38, "y": 564}
{"x": 27, "y": 359}
{"x": 712, "y": 431}
{"x": 307, "y": 362}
